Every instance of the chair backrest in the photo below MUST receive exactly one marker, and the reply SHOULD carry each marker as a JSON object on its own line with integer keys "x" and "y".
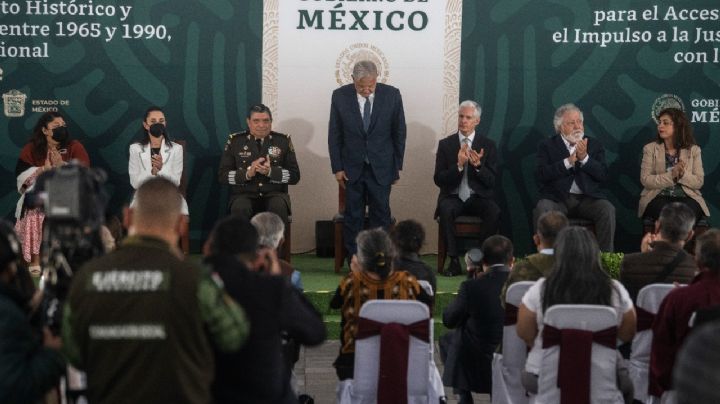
{"x": 649, "y": 299}
{"x": 514, "y": 349}
{"x": 367, "y": 351}
{"x": 603, "y": 384}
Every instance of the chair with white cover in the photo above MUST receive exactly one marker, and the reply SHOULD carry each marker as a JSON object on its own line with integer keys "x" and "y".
{"x": 377, "y": 371}
{"x": 507, "y": 366}
{"x": 647, "y": 305}
{"x": 579, "y": 356}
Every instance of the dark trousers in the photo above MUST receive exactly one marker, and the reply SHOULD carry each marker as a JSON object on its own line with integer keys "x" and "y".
{"x": 600, "y": 211}
{"x": 365, "y": 191}
{"x": 655, "y": 206}
{"x": 451, "y": 207}
{"x": 247, "y": 206}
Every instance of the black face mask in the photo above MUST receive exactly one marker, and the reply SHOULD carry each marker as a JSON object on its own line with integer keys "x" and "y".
{"x": 157, "y": 129}
{"x": 60, "y": 134}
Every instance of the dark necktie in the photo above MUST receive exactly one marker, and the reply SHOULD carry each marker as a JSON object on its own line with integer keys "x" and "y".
{"x": 366, "y": 114}
{"x": 259, "y": 143}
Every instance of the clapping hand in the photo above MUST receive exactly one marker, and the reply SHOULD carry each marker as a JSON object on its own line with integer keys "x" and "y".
{"x": 475, "y": 157}
{"x": 581, "y": 149}
{"x": 55, "y": 157}
{"x": 463, "y": 156}
{"x": 679, "y": 170}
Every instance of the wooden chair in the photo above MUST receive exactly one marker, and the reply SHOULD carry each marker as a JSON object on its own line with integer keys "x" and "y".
{"x": 465, "y": 227}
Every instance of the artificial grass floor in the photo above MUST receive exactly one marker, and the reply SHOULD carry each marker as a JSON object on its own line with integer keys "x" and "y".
{"x": 318, "y": 274}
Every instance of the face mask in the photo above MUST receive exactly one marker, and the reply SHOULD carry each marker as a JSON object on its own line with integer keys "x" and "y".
{"x": 157, "y": 129}
{"x": 60, "y": 134}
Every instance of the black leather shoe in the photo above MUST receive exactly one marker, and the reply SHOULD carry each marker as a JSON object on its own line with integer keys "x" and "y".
{"x": 453, "y": 268}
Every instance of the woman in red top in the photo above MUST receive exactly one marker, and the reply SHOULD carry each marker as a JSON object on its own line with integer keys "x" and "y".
{"x": 50, "y": 146}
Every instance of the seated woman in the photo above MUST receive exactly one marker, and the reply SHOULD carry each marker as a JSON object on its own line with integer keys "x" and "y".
{"x": 50, "y": 146}
{"x": 577, "y": 278}
{"x": 408, "y": 237}
{"x": 371, "y": 277}
{"x": 671, "y": 169}
{"x": 156, "y": 154}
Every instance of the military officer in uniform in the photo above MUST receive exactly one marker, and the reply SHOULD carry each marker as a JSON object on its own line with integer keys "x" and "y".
{"x": 258, "y": 164}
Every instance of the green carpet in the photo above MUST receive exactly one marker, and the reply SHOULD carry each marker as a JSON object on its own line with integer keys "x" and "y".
{"x": 320, "y": 281}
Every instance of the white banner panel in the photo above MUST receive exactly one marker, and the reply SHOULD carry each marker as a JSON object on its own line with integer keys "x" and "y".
{"x": 309, "y": 48}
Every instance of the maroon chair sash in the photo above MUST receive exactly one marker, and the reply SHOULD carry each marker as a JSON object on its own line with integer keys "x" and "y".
{"x": 394, "y": 347}
{"x": 573, "y": 377}
{"x": 511, "y": 313}
{"x": 644, "y": 319}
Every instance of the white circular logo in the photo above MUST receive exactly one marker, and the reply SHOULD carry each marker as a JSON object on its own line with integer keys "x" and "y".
{"x": 355, "y": 53}
{"x": 666, "y": 101}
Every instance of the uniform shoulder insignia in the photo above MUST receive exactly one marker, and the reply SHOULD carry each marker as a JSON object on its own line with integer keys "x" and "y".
{"x": 290, "y": 144}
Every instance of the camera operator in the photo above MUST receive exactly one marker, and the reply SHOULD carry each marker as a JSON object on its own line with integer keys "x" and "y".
{"x": 28, "y": 367}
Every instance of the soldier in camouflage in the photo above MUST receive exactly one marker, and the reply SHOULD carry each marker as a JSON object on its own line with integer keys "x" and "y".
{"x": 259, "y": 164}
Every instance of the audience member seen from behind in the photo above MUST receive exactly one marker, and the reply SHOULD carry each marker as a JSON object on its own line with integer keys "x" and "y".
{"x": 661, "y": 258}
{"x": 271, "y": 232}
{"x": 538, "y": 265}
{"x": 671, "y": 324}
{"x": 29, "y": 366}
{"x": 141, "y": 321}
{"x": 696, "y": 376}
{"x": 478, "y": 315}
{"x": 576, "y": 278}
{"x": 49, "y": 147}
{"x": 155, "y": 154}
{"x": 371, "y": 277}
{"x": 671, "y": 169}
{"x": 408, "y": 236}
{"x": 258, "y": 372}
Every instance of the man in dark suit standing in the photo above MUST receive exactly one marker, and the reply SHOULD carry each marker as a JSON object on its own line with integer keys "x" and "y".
{"x": 366, "y": 141}
{"x": 570, "y": 169}
{"x": 465, "y": 171}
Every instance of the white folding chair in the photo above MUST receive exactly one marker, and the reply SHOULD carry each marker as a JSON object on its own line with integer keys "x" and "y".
{"x": 603, "y": 379}
{"x": 648, "y": 303}
{"x": 422, "y": 376}
{"x": 507, "y": 366}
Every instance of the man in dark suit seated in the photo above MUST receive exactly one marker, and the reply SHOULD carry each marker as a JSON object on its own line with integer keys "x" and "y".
{"x": 465, "y": 171}
{"x": 662, "y": 258}
{"x": 570, "y": 170}
{"x": 478, "y": 316}
{"x": 366, "y": 142}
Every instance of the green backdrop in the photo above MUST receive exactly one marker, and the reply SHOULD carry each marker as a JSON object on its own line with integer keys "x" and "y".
{"x": 210, "y": 71}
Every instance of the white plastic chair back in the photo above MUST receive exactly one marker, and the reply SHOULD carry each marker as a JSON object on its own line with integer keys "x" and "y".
{"x": 649, "y": 299}
{"x": 603, "y": 379}
{"x": 506, "y": 367}
{"x": 363, "y": 388}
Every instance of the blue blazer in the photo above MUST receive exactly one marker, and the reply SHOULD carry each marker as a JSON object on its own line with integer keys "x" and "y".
{"x": 555, "y": 180}
{"x": 383, "y": 143}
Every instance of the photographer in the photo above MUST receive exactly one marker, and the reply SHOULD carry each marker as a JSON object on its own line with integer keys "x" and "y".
{"x": 28, "y": 367}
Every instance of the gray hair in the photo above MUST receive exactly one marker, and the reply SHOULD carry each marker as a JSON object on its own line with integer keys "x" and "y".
{"x": 375, "y": 251}
{"x": 270, "y": 228}
{"x": 676, "y": 220}
{"x": 364, "y": 68}
{"x": 560, "y": 113}
{"x": 471, "y": 104}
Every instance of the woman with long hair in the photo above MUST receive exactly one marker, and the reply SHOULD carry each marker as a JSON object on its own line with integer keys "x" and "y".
{"x": 577, "y": 277}
{"x": 49, "y": 147}
{"x": 154, "y": 153}
{"x": 671, "y": 169}
{"x": 371, "y": 277}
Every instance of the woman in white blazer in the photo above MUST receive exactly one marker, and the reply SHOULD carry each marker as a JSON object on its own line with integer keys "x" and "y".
{"x": 671, "y": 169}
{"x": 155, "y": 154}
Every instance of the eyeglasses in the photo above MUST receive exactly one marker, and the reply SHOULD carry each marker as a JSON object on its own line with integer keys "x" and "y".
{"x": 573, "y": 123}
{"x": 665, "y": 122}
